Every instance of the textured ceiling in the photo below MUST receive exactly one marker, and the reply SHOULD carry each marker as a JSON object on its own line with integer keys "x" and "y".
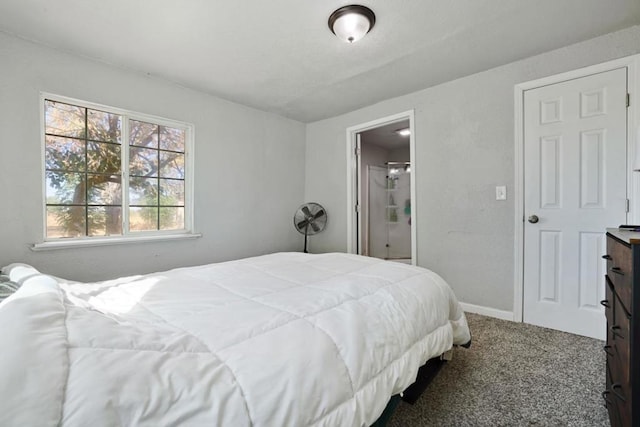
{"x": 280, "y": 56}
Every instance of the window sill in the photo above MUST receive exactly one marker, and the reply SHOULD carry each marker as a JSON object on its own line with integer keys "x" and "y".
{"x": 109, "y": 241}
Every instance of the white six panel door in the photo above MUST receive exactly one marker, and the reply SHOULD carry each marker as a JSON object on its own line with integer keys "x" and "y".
{"x": 575, "y": 145}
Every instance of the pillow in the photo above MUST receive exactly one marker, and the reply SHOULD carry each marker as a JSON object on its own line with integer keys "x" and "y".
{"x": 7, "y": 287}
{"x": 18, "y": 272}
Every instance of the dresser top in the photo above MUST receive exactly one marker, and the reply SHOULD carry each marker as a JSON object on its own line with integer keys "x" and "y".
{"x": 629, "y": 237}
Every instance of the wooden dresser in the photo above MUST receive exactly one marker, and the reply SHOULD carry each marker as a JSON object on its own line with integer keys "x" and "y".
{"x": 622, "y": 308}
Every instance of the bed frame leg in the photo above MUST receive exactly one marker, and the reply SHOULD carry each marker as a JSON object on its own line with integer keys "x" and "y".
{"x": 425, "y": 374}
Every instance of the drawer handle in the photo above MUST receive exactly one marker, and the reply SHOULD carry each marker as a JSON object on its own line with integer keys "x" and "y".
{"x": 605, "y": 302}
{"x": 616, "y": 394}
{"x": 607, "y": 257}
{"x": 615, "y": 329}
{"x": 607, "y": 402}
{"x": 617, "y": 270}
{"x": 607, "y": 349}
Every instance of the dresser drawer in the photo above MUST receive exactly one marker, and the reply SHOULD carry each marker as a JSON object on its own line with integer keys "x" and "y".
{"x": 610, "y": 402}
{"x": 619, "y": 270}
{"x": 619, "y": 353}
{"x": 617, "y": 397}
{"x": 623, "y": 407}
{"x": 608, "y": 303}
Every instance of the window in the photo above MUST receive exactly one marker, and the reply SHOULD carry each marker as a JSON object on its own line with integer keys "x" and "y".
{"x": 111, "y": 173}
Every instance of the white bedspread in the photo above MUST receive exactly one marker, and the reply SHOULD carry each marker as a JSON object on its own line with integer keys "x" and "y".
{"x": 287, "y": 339}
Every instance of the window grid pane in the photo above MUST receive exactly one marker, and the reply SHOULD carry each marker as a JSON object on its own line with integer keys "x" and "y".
{"x": 64, "y": 154}
{"x": 64, "y": 119}
{"x": 142, "y": 134}
{"x": 103, "y": 126}
{"x": 172, "y": 139}
{"x": 103, "y": 157}
{"x": 66, "y": 221}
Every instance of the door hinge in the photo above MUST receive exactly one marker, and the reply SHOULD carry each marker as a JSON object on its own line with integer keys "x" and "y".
{"x": 357, "y": 151}
{"x": 628, "y": 100}
{"x": 627, "y": 205}
{"x": 357, "y": 208}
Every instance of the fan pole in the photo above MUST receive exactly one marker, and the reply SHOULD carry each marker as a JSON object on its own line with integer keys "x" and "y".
{"x": 306, "y": 228}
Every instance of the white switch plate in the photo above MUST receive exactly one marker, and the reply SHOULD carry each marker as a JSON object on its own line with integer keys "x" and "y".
{"x": 501, "y": 192}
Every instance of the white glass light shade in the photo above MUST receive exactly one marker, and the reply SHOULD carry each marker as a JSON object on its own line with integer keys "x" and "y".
{"x": 351, "y": 23}
{"x": 351, "y": 27}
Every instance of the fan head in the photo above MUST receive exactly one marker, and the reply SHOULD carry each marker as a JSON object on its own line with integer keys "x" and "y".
{"x": 310, "y": 218}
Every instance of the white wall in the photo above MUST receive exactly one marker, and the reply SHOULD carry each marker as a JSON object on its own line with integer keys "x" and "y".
{"x": 464, "y": 148}
{"x": 400, "y": 154}
{"x": 249, "y": 166}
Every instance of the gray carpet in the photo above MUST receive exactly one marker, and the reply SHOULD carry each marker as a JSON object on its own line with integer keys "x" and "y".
{"x": 514, "y": 375}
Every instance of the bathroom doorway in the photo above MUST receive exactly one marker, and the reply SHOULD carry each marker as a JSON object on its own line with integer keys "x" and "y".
{"x": 384, "y": 223}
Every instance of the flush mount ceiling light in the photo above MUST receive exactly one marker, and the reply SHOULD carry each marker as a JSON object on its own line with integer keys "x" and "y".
{"x": 351, "y": 23}
{"x": 404, "y": 132}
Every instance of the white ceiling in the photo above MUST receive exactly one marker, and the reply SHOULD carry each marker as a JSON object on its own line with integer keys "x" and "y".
{"x": 280, "y": 56}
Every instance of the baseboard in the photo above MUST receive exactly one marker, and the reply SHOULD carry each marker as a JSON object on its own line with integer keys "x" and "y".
{"x": 487, "y": 311}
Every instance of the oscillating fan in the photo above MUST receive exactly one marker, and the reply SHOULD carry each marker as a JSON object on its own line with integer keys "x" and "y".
{"x": 310, "y": 219}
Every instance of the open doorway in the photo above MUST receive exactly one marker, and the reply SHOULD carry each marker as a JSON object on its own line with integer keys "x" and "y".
{"x": 382, "y": 183}
{"x": 385, "y": 187}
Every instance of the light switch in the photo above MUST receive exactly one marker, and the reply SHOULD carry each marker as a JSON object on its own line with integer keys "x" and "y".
{"x": 501, "y": 192}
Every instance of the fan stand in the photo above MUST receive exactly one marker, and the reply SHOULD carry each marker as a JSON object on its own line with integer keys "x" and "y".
{"x": 306, "y": 228}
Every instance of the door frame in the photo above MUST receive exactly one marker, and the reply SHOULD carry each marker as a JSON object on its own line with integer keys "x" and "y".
{"x": 352, "y": 179}
{"x": 632, "y": 64}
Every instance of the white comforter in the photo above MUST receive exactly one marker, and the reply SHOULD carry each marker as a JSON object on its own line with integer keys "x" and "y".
{"x": 279, "y": 340}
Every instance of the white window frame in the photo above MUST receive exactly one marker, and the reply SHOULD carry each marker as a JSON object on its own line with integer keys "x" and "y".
{"x": 127, "y": 236}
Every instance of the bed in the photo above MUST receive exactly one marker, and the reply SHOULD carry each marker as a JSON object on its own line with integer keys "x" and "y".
{"x": 285, "y": 339}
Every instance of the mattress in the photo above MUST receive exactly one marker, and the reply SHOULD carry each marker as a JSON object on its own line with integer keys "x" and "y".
{"x": 286, "y": 339}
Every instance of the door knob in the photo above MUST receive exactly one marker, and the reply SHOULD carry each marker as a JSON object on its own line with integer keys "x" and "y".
{"x": 533, "y": 219}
